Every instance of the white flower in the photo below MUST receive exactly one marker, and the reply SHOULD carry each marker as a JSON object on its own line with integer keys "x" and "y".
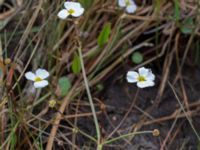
{"x": 128, "y": 4}
{"x": 144, "y": 77}
{"x": 71, "y": 8}
{"x": 38, "y": 77}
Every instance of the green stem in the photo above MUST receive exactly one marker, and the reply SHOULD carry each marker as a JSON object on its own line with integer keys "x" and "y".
{"x": 86, "y": 135}
{"x": 90, "y": 99}
{"x": 126, "y": 135}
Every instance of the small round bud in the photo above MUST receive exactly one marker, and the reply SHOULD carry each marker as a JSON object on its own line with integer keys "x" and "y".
{"x": 52, "y": 103}
{"x": 7, "y": 61}
{"x": 76, "y": 22}
{"x": 156, "y": 132}
{"x": 60, "y": 143}
{"x": 75, "y": 130}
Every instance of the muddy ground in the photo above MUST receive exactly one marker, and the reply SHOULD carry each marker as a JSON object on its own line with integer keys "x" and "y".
{"x": 147, "y": 113}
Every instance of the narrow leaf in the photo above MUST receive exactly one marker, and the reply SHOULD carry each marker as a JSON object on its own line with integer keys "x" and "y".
{"x": 86, "y": 3}
{"x": 76, "y": 65}
{"x": 177, "y": 10}
{"x": 104, "y": 35}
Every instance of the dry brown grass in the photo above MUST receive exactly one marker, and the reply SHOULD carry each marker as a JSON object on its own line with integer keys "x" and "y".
{"x": 32, "y": 36}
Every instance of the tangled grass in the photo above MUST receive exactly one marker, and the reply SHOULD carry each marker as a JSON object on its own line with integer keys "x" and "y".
{"x": 166, "y": 33}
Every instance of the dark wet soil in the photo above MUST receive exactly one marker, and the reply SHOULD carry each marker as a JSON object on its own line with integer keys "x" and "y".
{"x": 118, "y": 97}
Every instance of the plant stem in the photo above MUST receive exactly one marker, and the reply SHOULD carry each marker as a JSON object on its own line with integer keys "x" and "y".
{"x": 182, "y": 108}
{"x": 90, "y": 99}
{"x": 126, "y": 135}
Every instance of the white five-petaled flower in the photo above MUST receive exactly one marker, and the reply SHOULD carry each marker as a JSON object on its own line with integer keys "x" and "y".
{"x": 38, "y": 77}
{"x": 71, "y": 8}
{"x": 128, "y": 4}
{"x": 144, "y": 77}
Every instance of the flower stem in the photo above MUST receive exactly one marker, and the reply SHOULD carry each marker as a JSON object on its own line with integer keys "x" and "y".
{"x": 126, "y": 135}
{"x": 90, "y": 100}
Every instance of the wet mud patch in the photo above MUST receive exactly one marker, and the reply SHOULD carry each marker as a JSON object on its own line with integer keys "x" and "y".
{"x": 146, "y": 114}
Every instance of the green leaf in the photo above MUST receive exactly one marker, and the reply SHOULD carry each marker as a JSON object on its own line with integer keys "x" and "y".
{"x": 13, "y": 140}
{"x": 64, "y": 85}
{"x": 177, "y": 10}
{"x": 137, "y": 57}
{"x": 76, "y": 64}
{"x": 104, "y": 35}
{"x": 86, "y": 3}
{"x": 187, "y": 26}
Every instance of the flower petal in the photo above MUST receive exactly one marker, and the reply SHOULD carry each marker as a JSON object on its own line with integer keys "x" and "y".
{"x": 131, "y": 8}
{"x": 143, "y": 71}
{"x": 150, "y": 76}
{"x": 42, "y": 73}
{"x": 63, "y": 14}
{"x": 78, "y": 12}
{"x": 30, "y": 76}
{"x": 122, "y": 3}
{"x": 132, "y": 76}
{"x": 72, "y": 5}
{"x": 41, "y": 84}
{"x": 145, "y": 84}
{"x": 151, "y": 83}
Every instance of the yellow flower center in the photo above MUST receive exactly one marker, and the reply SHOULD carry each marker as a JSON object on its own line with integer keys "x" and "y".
{"x": 141, "y": 78}
{"x": 71, "y": 11}
{"x": 127, "y": 2}
{"x": 38, "y": 79}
